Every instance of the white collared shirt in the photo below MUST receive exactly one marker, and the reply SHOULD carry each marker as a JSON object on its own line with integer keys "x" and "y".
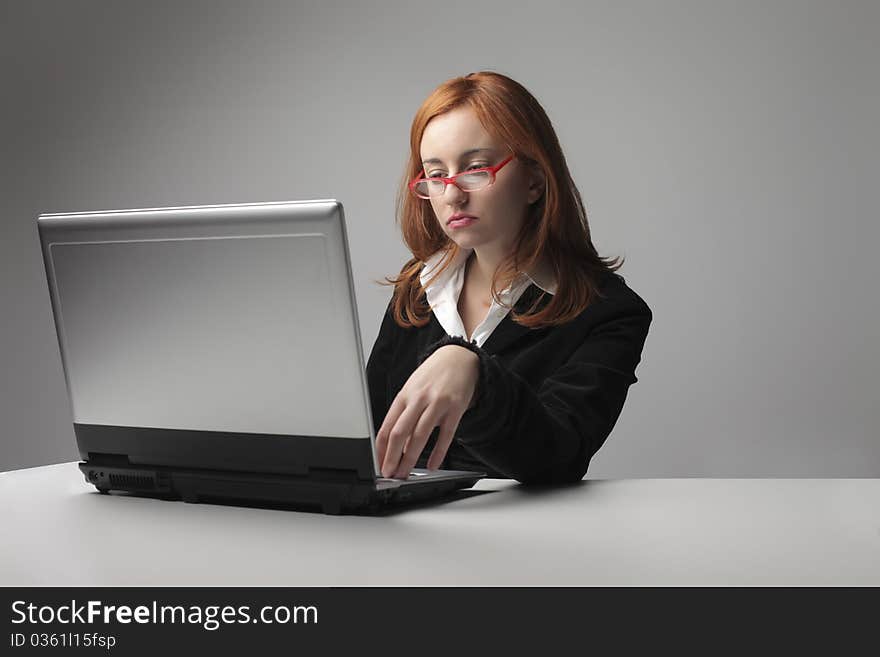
{"x": 443, "y": 293}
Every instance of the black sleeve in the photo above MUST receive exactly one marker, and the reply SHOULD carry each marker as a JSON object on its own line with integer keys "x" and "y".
{"x": 549, "y": 434}
{"x": 378, "y": 367}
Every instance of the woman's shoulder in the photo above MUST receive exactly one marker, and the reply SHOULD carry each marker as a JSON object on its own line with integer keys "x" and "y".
{"x": 616, "y": 296}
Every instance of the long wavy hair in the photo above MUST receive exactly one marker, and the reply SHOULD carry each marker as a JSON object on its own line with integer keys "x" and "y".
{"x": 556, "y": 225}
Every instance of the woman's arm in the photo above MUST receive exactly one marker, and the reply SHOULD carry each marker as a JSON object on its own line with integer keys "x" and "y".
{"x": 550, "y": 434}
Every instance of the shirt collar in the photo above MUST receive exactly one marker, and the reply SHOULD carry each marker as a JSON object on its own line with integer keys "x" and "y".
{"x": 541, "y": 277}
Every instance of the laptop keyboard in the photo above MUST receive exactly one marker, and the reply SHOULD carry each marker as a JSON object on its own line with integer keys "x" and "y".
{"x": 412, "y": 475}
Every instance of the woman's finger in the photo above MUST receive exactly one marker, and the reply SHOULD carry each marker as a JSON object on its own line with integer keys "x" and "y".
{"x": 430, "y": 417}
{"x": 444, "y": 440}
{"x": 394, "y": 411}
{"x": 399, "y": 434}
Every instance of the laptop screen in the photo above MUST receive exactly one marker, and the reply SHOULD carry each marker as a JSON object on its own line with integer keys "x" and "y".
{"x": 224, "y": 318}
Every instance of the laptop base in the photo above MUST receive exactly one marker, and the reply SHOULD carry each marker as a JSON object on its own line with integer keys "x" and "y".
{"x": 333, "y": 494}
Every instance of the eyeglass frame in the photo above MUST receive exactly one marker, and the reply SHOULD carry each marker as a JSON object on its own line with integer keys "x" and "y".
{"x": 451, "y": 180}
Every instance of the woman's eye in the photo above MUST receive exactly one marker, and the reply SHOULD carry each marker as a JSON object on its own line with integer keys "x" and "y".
{"x": 438, "y": 174}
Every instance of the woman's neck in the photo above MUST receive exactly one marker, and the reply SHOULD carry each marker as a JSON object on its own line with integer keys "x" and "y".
{"x": 483, "y": 264}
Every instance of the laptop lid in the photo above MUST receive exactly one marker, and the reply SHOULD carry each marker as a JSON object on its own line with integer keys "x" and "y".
{"x": 222, "y": 337}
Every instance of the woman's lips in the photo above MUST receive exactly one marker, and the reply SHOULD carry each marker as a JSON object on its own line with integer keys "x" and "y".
{"x": 461, "y": 223}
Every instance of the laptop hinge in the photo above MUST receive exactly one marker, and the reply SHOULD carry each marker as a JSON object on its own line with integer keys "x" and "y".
{"x": 100, "y": 458}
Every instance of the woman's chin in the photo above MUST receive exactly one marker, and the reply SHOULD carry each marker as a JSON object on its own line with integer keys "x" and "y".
{"x": 465, "y": 241}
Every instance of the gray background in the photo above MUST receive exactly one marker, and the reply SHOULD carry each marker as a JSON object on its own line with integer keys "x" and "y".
{"x": 727, "y": 150}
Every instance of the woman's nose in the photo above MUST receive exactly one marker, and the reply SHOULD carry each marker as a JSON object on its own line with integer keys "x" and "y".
{"x": 453, "y": 194}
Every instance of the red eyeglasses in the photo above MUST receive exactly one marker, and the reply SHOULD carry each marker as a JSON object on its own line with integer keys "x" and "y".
{"x": 467, "y": 181}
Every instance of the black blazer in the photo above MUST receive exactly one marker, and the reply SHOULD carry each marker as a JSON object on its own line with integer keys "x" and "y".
{"x": 547, "y": 398}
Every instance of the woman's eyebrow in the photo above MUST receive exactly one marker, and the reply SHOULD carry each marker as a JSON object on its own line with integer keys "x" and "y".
{"x": 434, "y": 160}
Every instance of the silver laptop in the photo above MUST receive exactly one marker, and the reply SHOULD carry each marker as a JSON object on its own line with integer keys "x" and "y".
{"x": 213, "y": 353}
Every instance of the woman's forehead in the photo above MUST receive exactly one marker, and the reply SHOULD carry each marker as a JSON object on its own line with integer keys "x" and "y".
{"x": 449, "y": 135}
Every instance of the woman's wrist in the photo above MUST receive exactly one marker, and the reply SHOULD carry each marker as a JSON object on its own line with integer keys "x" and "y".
{"x": 458, "y": 341}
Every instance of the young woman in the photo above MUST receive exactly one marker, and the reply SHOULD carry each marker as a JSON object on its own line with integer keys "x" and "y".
{"x": 509, "y": 343}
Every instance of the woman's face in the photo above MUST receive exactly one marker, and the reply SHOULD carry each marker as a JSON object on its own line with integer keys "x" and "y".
{"x": 499, "y": 208}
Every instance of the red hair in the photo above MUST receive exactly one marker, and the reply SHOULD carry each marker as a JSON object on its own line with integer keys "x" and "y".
{"x": 556, "y": 227}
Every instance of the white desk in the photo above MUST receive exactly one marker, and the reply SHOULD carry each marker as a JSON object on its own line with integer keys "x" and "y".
{"x": 645, "y": 532}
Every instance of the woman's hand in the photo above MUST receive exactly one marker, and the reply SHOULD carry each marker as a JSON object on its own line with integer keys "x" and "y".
{"x": 437, "y": 393}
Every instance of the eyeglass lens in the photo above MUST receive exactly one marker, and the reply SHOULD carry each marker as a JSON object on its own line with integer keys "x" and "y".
{"x": 468, "y": 182}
